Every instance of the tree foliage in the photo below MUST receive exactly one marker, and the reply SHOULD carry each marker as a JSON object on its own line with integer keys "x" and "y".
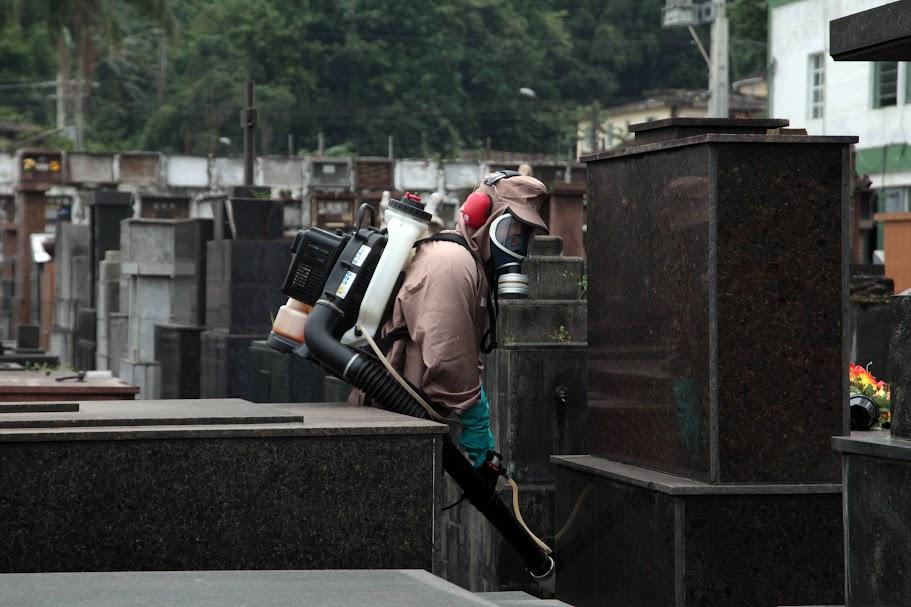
{"x": 437, "y": 76}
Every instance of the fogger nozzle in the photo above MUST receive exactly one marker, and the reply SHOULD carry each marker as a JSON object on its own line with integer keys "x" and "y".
{"x": 291, "y": 321}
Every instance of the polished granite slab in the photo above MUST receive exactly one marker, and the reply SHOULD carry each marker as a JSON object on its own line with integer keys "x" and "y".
{"x": 662, "y": 482}
{"x": 900, "y": 365}
{"x": 291, "y": 486}
{"x": 145, "y": 413}
{"x": 215, "y": 417}
{"x": 878, "y": 443}
{"x": 33, "y": 407}
{"x": 677, "y": 128}
{"x": 714, "y": 260}
{"x": 339, "y": 588}
{"x": 631, "y": 536}
{"x": 878, "y": 34}
{"x": 877, "y": 503}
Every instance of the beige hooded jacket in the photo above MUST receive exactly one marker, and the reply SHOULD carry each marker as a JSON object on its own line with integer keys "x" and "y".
{"x": 442, "y": 302}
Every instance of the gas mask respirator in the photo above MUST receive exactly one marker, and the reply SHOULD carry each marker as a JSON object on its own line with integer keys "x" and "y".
{"x": 509, "y": 239}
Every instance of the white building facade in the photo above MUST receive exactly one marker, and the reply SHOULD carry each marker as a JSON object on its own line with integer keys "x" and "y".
{"x": 869, "y": 99}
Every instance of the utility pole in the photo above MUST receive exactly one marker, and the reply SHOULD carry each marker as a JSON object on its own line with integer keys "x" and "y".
{"x": 162, "y": 67}
{"x": 718, "y": 74}
{"x": 248, "y": 122}
{"x": 81, "y": 68}
{"x": 593, "y": 132}
{"x": 683, "y": 13}
{"x": 64, "y": 86}
{"x": 80, "y": 107}
{"x": 61, "y": 100}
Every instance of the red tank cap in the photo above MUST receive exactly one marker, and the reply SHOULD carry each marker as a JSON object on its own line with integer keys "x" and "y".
{"x": 410, "y": 196}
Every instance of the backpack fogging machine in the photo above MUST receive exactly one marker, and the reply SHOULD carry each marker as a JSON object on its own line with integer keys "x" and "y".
{"x": 338, "y": 286}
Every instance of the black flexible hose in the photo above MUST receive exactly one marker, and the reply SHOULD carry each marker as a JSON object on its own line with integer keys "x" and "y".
{"x": 368, "y": 376}
{"x": 355, "y": 368}
{"x": 484, "y": 497}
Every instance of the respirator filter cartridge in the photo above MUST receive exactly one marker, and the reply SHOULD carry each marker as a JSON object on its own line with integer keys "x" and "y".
{"x": 512, "y": 285}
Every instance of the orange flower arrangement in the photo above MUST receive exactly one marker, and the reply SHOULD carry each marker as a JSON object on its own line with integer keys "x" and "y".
{"x": 863, "y": 382}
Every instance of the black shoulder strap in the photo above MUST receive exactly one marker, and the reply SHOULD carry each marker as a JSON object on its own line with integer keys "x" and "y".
{"x": 489, "y": 339}
{"x": 385, "y": 343}
{"x": 446, "y": 237}
{"x": 498, "y": 175}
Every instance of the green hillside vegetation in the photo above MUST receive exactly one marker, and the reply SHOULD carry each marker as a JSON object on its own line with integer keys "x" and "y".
{"x": 438, "y": 76}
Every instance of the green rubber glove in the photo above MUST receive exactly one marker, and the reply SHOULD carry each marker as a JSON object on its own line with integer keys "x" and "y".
{"x": 476, "y": 438}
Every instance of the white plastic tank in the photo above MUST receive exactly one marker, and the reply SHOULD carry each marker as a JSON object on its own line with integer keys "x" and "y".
{"x": 404, "y": 229}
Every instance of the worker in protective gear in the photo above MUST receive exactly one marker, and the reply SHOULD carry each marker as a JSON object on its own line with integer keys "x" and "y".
{"x": 441, "y": 312}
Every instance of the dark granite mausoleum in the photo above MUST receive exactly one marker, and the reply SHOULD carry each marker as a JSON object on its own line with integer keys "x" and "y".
{"x": 707, "y": 240}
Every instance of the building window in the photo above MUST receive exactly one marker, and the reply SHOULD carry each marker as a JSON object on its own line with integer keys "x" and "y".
{"x": 894, "y": 200}
{"x": 817, "y": 79}
{"x": 885, "y": 83}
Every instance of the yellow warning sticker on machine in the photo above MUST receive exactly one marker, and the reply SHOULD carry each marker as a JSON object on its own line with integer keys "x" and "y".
{"x": 345, "y": 285}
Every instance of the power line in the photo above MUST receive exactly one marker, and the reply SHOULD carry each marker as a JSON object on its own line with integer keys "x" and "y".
{"x": 11, "y": 86}
{"x": 343, "y": 35}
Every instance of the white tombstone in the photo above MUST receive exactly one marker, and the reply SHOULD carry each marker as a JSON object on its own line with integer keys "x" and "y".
{"x": 280, "y": 171}
{"x": 188, "y": 171}
{"x": 416, "y": 175}
{"x": 138, "y": 168}
{"x": 88, "y": 168}
{"x": 461, "y": 174}
{"x": 7, "y": 168}
{"x": 329, "y": 174}
{"x": 227, "y": 172}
